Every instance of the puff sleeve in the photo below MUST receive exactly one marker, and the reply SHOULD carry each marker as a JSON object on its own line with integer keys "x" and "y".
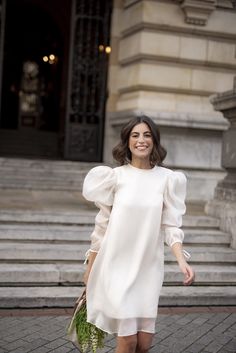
{"x": 99, "y": 187}
{"x": 174, "y": 208}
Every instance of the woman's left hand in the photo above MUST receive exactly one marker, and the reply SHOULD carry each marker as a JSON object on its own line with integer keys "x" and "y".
{"x": 188, "y": 273}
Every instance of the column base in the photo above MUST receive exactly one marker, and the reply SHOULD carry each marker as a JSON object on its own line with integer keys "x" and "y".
{"x": 226, "y": 212}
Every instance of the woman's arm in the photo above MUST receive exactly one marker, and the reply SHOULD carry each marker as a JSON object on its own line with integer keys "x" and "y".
{"x": 99, "y": 187}
{"x": 187, "y": 270}
{"x": 101, "y": 222}
{"x": 90, "y": 261}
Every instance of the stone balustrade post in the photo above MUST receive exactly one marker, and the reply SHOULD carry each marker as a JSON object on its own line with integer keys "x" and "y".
{"x": 223, "y": 205}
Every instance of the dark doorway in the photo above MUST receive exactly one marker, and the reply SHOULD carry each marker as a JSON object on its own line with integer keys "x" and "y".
{"x": 54, "y": 85}
{"x": 35, "y": 70}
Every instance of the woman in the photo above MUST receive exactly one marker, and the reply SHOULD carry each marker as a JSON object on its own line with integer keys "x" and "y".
{"x": 141, "y": 205}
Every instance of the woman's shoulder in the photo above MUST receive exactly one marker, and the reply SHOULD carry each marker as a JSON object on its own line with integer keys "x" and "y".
{"x": 101, "y": 169}
{"x": 101, "y": 174}
{"x": 99, "y": 184}
{"x": 106, "y": 170}
{"x": 173, "y": 175}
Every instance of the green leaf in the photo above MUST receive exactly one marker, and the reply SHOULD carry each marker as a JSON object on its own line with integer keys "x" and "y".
{"x": 89, "y": 337}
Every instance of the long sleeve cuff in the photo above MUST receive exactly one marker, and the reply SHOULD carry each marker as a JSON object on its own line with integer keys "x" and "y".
{"x": 87, "y": 255}
{"x": 173, "y": 235}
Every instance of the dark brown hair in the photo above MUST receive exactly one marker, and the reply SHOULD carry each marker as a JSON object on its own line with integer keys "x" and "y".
{"x": 121, "y": 152}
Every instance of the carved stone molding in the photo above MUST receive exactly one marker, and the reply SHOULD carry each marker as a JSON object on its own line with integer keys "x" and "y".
{"x": 197, "y": 12}
{"x": 225, "y": 102}
{"x": 224, "y": 203}
{"x": 226, "y": 4}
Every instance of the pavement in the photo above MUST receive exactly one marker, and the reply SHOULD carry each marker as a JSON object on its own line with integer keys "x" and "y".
{"x": 178, "y": 330}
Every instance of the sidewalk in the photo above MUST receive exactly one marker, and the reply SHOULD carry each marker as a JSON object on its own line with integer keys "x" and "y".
{"x": 178, "y": 330}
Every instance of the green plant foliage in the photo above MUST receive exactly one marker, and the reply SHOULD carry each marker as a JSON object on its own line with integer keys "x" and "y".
{"x": 90, "y": 337}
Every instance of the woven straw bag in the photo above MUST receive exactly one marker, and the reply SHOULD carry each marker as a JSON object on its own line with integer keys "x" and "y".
{"x": 84, "y": 335}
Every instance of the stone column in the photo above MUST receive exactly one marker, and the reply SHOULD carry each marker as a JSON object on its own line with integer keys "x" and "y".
{"x": 223, "y": 205}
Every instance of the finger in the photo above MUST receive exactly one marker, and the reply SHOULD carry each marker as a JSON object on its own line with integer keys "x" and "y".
{"x": 189, "y": 275}
{"x": 190, "y": 271}
{"x": 190, "y": 278}
{"x": 186, "y": 280}
{"x": 186, "y": 277}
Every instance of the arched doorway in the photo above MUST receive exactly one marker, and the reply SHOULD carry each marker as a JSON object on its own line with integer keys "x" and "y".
{"x": 35, "y": 65}
{"x": 54, "y": 78}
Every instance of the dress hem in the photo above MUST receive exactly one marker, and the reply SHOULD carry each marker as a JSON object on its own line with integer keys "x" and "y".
{"x": 117, "y": 333}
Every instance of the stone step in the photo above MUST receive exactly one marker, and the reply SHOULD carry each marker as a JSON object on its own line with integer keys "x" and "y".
{"x": 41, "y": 274}
{"x": 198, "y": 296}
{"x": 29, "y": 143}
{"x": 51, "y": 233}
{"x": 208, "y": 255}
{"x": 204, "y": 274}
{"x": 48, "y": 217}
{"x": 24, "y": 163}
{"x": 206, "y": 237}
{"x": 70, "y": 253}
{"x": 86, "y": 217}
{"x": 42, "y": 252}
{"x": 34, "y": 176}
{"x": 43, "y": 183}
{"x": 42, "y": 174}
{"x": 30, "y": 297}
{"x": 72, "y": 274}
{"x": 77, "y": 234}
{"x": 200, "y": 222}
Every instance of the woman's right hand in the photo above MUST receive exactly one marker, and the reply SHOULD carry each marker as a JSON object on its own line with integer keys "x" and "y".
{"x": 188, "y": 273}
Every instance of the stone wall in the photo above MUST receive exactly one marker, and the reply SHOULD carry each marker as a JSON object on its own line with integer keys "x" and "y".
{"x": 223, "y": 206}
{"x": 167, "y": 58}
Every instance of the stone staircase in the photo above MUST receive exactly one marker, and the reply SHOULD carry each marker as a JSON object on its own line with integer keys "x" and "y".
{"x": 39, "y": 174}
{"x": 45, "y": 229}
{"x": 29, "y": 142}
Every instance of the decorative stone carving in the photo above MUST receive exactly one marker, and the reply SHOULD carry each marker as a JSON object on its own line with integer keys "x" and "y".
{"x": 197, "y": 12}
{"x": 226, "y": 4}
{"x": 224, "y": 203}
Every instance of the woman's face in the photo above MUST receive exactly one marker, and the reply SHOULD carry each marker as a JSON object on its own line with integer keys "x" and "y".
{"x": 140, "y": 141}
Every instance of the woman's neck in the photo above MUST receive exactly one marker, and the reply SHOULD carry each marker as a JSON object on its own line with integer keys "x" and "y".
{"x": 141, "y": 164}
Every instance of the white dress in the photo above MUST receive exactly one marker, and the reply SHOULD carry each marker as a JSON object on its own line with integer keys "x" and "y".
{"x": 139, "y": 210}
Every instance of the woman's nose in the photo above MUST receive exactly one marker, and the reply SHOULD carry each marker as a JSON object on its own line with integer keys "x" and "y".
{"x": 140, "y": 138}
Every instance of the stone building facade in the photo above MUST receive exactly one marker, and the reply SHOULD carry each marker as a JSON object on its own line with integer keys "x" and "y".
{"x": 105, "y": 62}
{"x": 168, "y": 58}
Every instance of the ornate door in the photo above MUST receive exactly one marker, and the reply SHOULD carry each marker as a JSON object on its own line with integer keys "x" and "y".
{"x": 87, "y": 91}
{"x": 2, "y": 27}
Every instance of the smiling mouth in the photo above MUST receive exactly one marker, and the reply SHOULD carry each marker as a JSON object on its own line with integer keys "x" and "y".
{"x": 141, "y": 148}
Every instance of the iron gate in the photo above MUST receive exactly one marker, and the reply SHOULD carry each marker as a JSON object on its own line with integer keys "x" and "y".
{"x": 87, "y": 91}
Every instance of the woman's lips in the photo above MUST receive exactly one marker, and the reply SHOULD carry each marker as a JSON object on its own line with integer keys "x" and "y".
{"x": 141, "y": 148}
